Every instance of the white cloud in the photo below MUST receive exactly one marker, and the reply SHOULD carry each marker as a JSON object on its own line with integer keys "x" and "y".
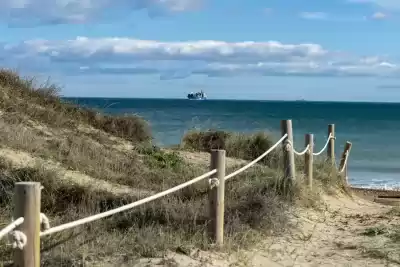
{"x": 33, "y": 12}
{"x": 379, "y": 16}
{"x": 314, "y": 15}
{"x": 82, "y": 56}
{"x": 330, "y": 17}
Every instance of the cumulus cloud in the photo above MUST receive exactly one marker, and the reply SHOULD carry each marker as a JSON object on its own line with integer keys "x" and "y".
{"x": 178, "y": 60}
{"x": 34, "y": 12}
{"x": 83, "y": 49}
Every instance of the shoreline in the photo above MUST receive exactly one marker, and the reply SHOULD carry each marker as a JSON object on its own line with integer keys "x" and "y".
{"x": 371, "y": 194}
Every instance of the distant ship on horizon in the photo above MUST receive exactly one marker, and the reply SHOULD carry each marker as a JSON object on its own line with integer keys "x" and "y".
{"x": 197, "y": 96}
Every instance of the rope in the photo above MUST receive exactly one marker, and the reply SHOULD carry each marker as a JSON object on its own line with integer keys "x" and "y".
{"x": 326, "y": 145}
{"x": 125, "y": 207}
{"x": 19, "y": 239}
{"x": 345, "y": 162}
{"x": 9, "y": 228}
{"x": 213, "y": 182}
{"x": 298, "y": 153}
{"x": 256, "y": 160}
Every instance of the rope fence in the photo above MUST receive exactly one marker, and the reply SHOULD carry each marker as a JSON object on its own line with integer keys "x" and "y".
{"x": 26, "y": 231}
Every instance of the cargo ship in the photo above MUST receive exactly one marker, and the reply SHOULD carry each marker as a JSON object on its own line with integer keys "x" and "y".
{"x": 197, "y": 96}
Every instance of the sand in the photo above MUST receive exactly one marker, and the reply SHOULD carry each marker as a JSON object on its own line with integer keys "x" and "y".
{"x": 332, "y": 237}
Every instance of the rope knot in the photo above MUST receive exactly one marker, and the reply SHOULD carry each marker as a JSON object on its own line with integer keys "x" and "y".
{"x": 18, "y": 239}
{"x": 213, "y": 182}
{"x": 44, "y": 222}
{"x": 288, "y": 145}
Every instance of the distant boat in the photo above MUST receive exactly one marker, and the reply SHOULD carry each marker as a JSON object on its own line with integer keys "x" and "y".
{"x": 197, "y": 96}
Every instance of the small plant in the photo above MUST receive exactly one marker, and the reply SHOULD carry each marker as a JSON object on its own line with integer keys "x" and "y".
{"x": 162, "y": 159}
{"x": 395, "y": 234}
{"x": 374, "y": 231}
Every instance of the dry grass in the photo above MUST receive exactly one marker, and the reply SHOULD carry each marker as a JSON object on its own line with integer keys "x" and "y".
{"x": 117, "y": 149}
{"x": 23, "y": 98}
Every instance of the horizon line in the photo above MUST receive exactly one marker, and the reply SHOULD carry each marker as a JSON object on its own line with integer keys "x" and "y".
{"x": 230, "y": 99}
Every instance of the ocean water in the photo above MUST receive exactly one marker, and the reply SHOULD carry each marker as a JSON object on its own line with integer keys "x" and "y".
{"x": 373, "y": 128}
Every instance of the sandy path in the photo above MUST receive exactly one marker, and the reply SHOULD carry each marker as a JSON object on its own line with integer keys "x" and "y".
{"x": 327, "y": 238}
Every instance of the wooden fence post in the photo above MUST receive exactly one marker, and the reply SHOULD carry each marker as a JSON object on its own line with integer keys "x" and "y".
{"x": 216, "y": 197}
{"x": 309, "y": 159}
{"x": 331, "y": 145}
{"x": 27, "y": 205}
{"x": 288, "y": 154}
{"x": 346, "y": 152}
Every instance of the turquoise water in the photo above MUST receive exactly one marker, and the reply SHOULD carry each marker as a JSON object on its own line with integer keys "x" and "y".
{"x": 373, "y": 128}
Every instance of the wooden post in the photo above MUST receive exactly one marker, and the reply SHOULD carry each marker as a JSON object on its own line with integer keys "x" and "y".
{"x": 331, "y": 145}
{"x": 309, "y": 159}
{"x": 216, "y": 197}
{"x": 346, "y": 151}
{"x": 27, "y": 205}
{"x": 288, "y": 154}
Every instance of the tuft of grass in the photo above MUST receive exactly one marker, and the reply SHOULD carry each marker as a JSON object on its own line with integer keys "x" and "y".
{"x": 374, "y": 231}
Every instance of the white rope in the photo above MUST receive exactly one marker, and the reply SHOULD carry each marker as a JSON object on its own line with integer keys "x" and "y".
{"x": 302, "y": 152}
{"x": 213, "y": 182}
{"x": 296, "y": 152}
{"x": 18, "y": 239}
{"x": 126, "y": 207}
{"x": 326, "y": 145}
{"x": 256, "y": 160}
{"x": 9, "y": 228}
{"x": 345, "y": 162}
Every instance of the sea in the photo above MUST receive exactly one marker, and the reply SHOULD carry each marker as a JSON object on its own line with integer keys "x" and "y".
{"x": 372, "y": 128}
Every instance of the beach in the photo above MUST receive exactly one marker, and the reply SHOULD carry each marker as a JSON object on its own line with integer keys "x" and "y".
{"x": 104, "y": 186}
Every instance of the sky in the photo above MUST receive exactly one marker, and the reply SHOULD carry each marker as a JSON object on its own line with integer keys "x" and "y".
{"x": 338, "y": 50}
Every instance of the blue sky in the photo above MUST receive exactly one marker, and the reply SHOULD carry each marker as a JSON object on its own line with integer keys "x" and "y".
{"x": 253, "y": 49}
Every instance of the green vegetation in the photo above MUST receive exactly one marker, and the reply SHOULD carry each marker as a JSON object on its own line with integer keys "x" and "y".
{"x": 89, "y": 162}
{"x": 236, "y": 145}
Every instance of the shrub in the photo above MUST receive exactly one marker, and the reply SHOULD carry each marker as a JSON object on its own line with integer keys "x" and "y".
{"x": 237, "y": 145}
